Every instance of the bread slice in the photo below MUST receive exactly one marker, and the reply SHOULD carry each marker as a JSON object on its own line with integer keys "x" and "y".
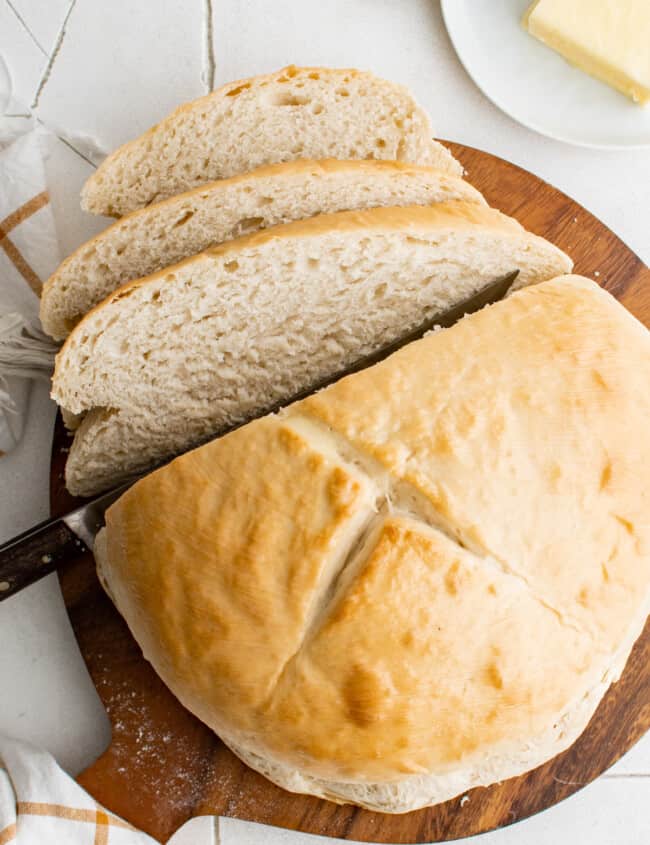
{"x": 166, "y": 232}
{"x": 294, "y": 113}
{"x": 420, "y": 580}
{"x": 168, "y": 360}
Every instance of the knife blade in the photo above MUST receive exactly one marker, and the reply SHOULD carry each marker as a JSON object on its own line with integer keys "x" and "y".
{"x": 40, "y": 550}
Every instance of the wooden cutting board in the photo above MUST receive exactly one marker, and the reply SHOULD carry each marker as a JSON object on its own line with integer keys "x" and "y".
{"x": 163, "y": 766}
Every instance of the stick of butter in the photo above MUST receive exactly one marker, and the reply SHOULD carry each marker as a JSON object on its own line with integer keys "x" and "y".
{"x": 609, "y": 39}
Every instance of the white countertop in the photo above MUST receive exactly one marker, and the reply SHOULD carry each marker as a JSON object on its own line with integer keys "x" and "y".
{"x": 98, "y": 74}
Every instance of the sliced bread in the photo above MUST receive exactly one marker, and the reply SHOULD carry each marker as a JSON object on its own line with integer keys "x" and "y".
{"x": 166, "y": 232}
{"x": 170, "y": 359}
{"x": 294, "y": 113}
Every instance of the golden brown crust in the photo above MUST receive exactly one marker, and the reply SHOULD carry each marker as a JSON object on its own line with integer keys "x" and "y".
{"x": 500, "y": 579}
{"x": 414, "y": 670}
{"x": 262, "y": 557}
{"x": 535, "y": 420}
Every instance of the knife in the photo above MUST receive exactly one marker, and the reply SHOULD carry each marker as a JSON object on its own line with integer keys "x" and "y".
{"x": 41, "y": 549}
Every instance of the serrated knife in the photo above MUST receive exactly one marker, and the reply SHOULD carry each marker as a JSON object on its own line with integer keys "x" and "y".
{"x": 40, "y": 550}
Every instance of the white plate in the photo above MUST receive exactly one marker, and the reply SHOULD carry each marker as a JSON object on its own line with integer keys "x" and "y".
{"x": 535, "y": 85}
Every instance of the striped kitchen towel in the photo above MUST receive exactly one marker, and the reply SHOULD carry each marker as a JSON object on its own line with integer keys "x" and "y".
{"x": 41, "y": 805}
{"x": 29, "y": 252}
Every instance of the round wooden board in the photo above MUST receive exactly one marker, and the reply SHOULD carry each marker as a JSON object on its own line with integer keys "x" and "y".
{"x": 163, "y": 766}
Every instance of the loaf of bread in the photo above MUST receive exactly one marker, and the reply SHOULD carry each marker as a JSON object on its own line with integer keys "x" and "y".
{"x": 421, "y": 579}
{"x": 295, "y": 113}
{"x": 166, "y": 361}
{"x": 167, "y": 232}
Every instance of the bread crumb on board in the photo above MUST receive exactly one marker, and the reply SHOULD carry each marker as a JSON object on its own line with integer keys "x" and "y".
{"x": 146, "y": 750}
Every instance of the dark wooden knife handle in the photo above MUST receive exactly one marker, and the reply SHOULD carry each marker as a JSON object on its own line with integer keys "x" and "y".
{"x": 34, "y": 554}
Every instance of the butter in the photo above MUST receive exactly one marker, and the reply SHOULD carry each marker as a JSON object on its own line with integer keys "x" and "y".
{"x": 609, "y": 39}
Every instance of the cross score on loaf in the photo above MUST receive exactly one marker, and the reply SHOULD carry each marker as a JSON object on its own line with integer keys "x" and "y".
{"x": 421, "y": 579}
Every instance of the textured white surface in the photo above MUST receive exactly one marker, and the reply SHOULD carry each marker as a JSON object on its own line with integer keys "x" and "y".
{"x": 24, "y": 60}
{"x": 66, "y": 172}
{"x": 119, "y": 68}
{"x": 43, "y": 18}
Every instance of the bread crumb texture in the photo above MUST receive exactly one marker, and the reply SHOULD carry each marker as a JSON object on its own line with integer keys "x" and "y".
{"x": 294, "y": 113}
{"x": 252, "y": 322}
{"x": 167, "y": 232}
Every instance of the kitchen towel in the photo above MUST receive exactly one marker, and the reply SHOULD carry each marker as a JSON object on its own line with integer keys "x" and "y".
{"x": 29, "y": 252}
{"x": 40, "y": 803}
